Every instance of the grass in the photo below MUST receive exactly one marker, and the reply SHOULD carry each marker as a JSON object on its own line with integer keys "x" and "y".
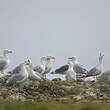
{"x": 52, "y": 105}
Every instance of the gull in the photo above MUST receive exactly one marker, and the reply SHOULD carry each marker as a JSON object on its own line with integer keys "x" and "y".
{"x": 41, "y": 68}
{"x": 4, "y": 60}
{"x": 70, "y": 74}
{"x": 21, "y": 77}
{"x": 48, "y": 65}
{"x": 33, "y": 75}
{"x": 98, "y": 69}
{"x": 78, "y": 68}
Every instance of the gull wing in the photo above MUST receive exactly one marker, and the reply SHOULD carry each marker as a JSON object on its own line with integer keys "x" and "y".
{"x": 62, "y": 69}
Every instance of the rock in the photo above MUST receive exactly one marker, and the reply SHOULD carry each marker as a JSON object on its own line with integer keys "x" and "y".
{"x": 64, "y": 91}
{"x": 56, "y": 79}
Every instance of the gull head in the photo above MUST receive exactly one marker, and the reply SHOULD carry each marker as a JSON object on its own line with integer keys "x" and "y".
{"x": 27, "y": 62}
{"x": 50, "y": 58}
{"x": 6, "y": 51}
{"x": 43, "y": 58}
{"x": 101, "y": 56}
{"x": 74, "y": 58}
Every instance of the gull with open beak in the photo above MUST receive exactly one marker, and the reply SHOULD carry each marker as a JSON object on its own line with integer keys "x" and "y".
{"x": 78, "y": 68}
{"x": 21, "y": 77}
{"x": 4, "y": 60}
{"x": 98, "y": 69}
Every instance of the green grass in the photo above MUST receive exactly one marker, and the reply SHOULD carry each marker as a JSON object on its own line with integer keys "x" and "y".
{"x": 52, "y": 106}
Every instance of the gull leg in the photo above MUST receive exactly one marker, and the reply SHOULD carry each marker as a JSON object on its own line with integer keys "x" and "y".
{"x": 45, "y": 76}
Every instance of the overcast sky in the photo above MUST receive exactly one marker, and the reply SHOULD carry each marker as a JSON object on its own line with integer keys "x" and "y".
{"x": 62, "y": 28}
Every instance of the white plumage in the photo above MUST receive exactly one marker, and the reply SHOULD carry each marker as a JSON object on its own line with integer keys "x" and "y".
{"x": 21, "y": 77}
{"x": 70, "y": 74}
{"x": 4, "y": 60}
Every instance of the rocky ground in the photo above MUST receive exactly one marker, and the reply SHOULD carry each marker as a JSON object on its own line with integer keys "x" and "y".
{"x": 56, "y": 90}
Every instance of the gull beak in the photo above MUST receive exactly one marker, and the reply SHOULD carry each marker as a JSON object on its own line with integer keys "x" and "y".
{"x": 9, "y": 51}
{"x": 70, "y": 58}
{"x": 53, "y": 58}
{"x": 48, "y": 57}
{"x": 101, "y": 54}
{"x": 27, "y": 62}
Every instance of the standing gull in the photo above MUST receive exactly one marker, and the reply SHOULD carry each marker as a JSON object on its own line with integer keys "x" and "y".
{"x": 48, "y": 65}
{"x": 4, "y": 60}
{"x": 21, "y": 77}
{"x": 98, "y": 69}
{"x": 70, "y": 74}
{"x": 78, "y": 68}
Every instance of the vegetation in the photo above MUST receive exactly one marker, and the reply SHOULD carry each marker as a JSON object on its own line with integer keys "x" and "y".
{"x": 52, "y": 106}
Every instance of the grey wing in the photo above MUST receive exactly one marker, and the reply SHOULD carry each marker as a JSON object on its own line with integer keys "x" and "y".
{"x": 62, "y": 69}
{"x": 92, "y": 71}
{"x": 16, "y": 70}
{"x": 38, "y": 69}
{"x": 80, "y": 69}
{"x": 2, "y": 64}
{"x": 15, "y": 78}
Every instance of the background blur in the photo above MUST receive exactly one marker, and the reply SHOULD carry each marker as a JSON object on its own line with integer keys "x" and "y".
{"x": 62, "y": 28}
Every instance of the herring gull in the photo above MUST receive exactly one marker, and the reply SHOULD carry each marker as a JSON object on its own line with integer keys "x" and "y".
{"x": 98, "y": 69}
{"x": 4, "y": 60}
{"x": 41, "y": 68}
{"x": 70, "y": 74}
{"x": 21, "y": 77}
{"x": 48, "y": 65}
{"x": 78, "y": 68}
{"x": 33, "y": 75}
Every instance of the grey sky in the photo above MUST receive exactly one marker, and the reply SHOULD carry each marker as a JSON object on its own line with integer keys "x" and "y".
{"x": 35, "y": 28}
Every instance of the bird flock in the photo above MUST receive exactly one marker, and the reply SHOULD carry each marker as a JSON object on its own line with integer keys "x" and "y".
{"x": 73, "y": 70}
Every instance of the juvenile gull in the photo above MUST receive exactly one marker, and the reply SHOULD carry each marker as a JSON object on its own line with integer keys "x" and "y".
{"x": 4, "y": 60}
{"x": 78, "y": 68}
{"x": 98, "y": 69}
{"x": 21, "y": 77}
{"x": 70, "y": 74}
